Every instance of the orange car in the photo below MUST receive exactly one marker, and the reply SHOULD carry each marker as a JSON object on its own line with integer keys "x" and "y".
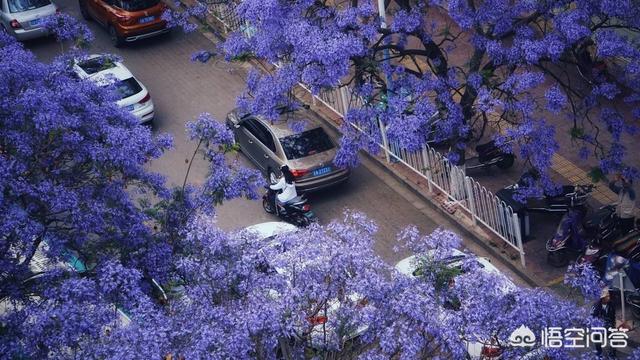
{"x": 127, "y": 20}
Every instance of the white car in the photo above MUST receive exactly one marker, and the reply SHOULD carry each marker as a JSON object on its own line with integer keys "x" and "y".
{"x": 104, "y": 71}
{"x": 476, "y": 350}
{"x": 267, "y": 234}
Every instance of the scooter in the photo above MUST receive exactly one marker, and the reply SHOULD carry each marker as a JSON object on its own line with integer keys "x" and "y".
{"x": 612, "y": 241}
{"x": 590, "y": 70}
{"x": 616, "y": 266}
{"x": 489, "y": 154}
{"x": 569, "y": 196}
{"x": 576, "y": 230}
{"x": 295, "y": 211}
{"x": 569, "y": 237}
{"x": 633, "y": 300}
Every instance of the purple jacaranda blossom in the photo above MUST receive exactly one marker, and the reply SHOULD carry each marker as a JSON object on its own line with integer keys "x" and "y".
{"x": 202, "y": 56}
{"x": 585, "y": 278}
{"x": 65, "y": 27}
{"x": 556, "y": 100}
{"x": 511, "y": 61}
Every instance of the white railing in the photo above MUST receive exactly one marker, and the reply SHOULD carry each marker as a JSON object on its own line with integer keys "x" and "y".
{"x": 482, "y": 206}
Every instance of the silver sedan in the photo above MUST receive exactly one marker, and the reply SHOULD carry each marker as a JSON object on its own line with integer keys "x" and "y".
{"x": 309, "y": 153}
{"x": 23, "y": 18}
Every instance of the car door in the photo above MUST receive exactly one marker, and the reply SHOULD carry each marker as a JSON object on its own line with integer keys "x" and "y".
{"x": 268, "y": 156}
{"x": 4, "y": 17}
{"x": 246, "y": 138}
{"x": 100, "y": 10}
{"x": 260, "y": 145}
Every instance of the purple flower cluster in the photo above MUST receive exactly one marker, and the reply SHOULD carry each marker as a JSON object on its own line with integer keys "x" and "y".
{"x": 65, "y": 27}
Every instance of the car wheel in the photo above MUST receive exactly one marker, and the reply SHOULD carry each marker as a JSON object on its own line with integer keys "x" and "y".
{"x": 83, "y": 10}
{"x": 116, "y": 39}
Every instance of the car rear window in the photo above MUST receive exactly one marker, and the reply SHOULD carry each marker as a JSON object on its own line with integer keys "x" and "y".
{"x": 136, "y": 5}
{"x": 306, "y": 143}
{"x": 127, "y": 87}
{"x": 25, "y": 5}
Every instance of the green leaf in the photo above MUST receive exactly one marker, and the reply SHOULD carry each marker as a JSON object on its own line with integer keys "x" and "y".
{"x": 576, "y": 132}
{"x": 242, "y": 57}
{"x": 596, "y": 174}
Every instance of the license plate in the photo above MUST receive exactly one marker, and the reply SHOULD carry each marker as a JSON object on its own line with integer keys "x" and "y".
{"x": 35, "y": 22}
{"x": 322, "y": 171}
{"x": 146, "y": 19}
{"x": 310, "y": 215}
{"x": 129, "y": 108}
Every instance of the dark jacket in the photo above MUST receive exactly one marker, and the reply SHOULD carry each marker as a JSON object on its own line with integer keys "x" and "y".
{"x": 608, "y": 315}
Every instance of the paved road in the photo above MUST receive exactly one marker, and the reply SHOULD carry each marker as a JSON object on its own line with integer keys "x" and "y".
{"x": 181, "y": 90}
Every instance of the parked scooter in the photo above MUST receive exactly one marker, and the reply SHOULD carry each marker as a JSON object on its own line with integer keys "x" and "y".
{"x": 633, "y": 299}
{"x": 489, "y": 154}
{"x": 569, "y": 237}
{"x": 590, "y": 69}
{"x": 576, "y": 230}
{"x": 611, "y": 240}
{"x": 617, "y": 266}
{"x": 569, "y": 197}
{"x": 295, "y": 211}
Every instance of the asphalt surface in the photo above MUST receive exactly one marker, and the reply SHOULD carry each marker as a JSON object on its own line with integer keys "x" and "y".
{"x": 181, "y": 90}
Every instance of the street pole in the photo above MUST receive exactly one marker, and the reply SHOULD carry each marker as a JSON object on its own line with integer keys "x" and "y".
{"x": 383, "y": 14}
{"x": 622, "y": 295}
{"x": 383, "y": 24}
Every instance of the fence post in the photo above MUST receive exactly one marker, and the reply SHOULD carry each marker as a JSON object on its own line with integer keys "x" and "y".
{"x": 345, "y": 101}
{"x": 385, "y": 142}
{"x": 472, "y": 199}
{"x": 516, "y": 227}
{"x": 427, "y": 168}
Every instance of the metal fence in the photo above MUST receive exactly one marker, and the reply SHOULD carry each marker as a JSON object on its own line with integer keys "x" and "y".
{"x": 482, "y": 206}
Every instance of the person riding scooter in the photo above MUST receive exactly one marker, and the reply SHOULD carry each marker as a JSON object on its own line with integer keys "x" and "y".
{"x": 287, "y": 186}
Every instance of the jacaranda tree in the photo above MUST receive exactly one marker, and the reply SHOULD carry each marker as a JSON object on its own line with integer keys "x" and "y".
{"x": 88, "y": 235}
{"x": 85, "y": 230}
{"x": 323, "y": 292}
{"x": 457, "y": 71}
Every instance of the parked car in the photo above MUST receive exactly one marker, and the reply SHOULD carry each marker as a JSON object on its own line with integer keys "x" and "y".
{"x": 38, "y": 267}
{"x": 308, "y": 153}
{"x": 320, "y": 327}
{"x": 23, "y": 19}
{"x": 480, "y": 349}
{"x": 127, "y": 20}
{"x": 104, "y": 71}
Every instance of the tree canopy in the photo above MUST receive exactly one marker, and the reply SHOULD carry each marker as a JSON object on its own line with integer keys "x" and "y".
{"x": 89, "y": 236}
{"x": 514, "y": 71}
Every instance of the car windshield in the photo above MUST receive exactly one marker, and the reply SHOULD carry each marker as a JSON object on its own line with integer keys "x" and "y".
{"x": 306, "y": 143}
{"x": 24, "y": 5}
{"x": 127, "y": 87}
{"x": 136, "y": 5}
